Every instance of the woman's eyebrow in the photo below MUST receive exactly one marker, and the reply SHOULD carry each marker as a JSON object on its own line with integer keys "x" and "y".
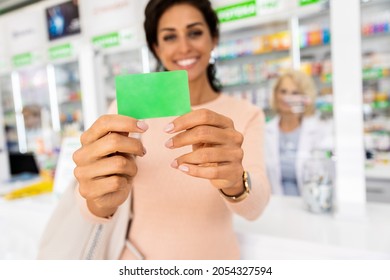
{"x": 194, "y": 24}
{"x": 169, "y": 29}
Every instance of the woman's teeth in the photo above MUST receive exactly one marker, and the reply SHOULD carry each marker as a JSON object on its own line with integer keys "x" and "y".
{"x": 186, "y": 62}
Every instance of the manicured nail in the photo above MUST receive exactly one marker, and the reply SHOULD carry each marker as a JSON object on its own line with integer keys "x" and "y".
{"x": 169, "y": 127}
{"x": 184, "y": 168}
{"x": 135, "y": 135}
{"x": 142, "y": 125}
{"x": 169, "y": 143}
{"x": 174, "y": 164}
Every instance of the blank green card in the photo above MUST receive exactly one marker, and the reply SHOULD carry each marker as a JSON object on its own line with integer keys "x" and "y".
{"x": 153, "y": 95}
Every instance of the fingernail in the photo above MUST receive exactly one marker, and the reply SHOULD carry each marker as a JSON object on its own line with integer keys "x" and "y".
{"x": 142, "y": 125}
{"x": 169, "y": 127}
{"x": 144, "y": 150}
{"x": 135, "y": 135}
{"x": 174, "y": 164}
{"x": 184, "y": 168}
{"x": 169, "y": 143}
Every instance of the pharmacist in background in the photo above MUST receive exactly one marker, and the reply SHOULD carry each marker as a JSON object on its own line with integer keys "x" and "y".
{"x": 294, "y": 134}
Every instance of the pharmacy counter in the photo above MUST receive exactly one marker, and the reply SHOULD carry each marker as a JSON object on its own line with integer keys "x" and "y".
{"x": 284, "y": 231}
{"x": 287, "y": 231}
{"x": 22, "y": 222}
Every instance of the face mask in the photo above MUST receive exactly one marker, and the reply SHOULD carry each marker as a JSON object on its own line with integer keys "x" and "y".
{"x": 297, "y": 103}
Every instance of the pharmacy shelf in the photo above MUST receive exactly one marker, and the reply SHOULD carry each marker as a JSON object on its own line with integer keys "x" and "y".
{"x": 250, "y": 57}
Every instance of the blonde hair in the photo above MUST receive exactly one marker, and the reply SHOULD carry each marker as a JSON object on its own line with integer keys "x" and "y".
{"x": 305, "y": 85}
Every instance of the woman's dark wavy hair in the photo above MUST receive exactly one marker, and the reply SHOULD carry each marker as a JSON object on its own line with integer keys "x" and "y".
{"x": 153, "y": 12}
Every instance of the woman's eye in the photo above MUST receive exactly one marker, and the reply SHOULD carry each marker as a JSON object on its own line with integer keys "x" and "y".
{"x": 168, "y": 38}
{"x": 283, "y": 91}
{"x": 195, "y": 33}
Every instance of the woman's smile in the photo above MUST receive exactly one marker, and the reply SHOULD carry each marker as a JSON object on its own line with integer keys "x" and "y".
{"x": 187, "y": 63}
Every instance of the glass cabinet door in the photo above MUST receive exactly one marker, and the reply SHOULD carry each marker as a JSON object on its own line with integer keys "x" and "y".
{"x": 35, "y": 125}
{"x": 7, "y": 103}
{"x": 67, "y": 84}
{"x": 120, "y": 63}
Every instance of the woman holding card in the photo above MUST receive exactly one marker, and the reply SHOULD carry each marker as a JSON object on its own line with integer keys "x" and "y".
{"x": 180, "y": 182}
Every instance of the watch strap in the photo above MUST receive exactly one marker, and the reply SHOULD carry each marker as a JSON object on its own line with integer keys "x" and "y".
{"x": 241, "y": 196}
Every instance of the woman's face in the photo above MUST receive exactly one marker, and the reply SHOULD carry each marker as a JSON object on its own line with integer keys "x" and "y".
{"x": 288, "y": 98}
{"x": 184, "y": 41}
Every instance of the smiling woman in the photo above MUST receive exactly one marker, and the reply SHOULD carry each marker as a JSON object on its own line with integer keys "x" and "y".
{"x": 199, "y": 169}
{"x": 191, "y": 40}
{"x": 295, "y": 134}
{"x": 184, "y": 42}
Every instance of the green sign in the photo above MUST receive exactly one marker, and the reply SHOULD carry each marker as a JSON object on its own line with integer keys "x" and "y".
{"x": 23, "y": 59}
{"x": 326, "y": 108}
{"x": 380, "y": 104}
{"x": 367, "y": 74}
{"x": 126, "y": 36}
{"x": 269, "y": 4}
{"x": 61, "y": 51}
{"x": 372, "y": 73}
{"x": 307, "y": 2}
{"x": 237, "y": 11}
{"x": 107, "y": 40}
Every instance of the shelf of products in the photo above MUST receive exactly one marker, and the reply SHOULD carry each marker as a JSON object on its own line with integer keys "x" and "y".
{"x": 256, "y": 45}
{"x": 248, "y": 61}
{"x": 376, "y": 88}
{"x": 317, "y": 36}
{"x": 316, "y": 58}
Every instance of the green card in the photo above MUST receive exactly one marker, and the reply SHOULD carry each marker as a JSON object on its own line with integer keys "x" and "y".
{"x": 153, "y": 95}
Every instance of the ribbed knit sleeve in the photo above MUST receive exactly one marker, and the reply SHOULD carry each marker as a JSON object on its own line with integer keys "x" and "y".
{"x": 253, "y": 162}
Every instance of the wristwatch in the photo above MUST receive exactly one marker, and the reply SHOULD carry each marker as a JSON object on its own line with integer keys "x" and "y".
{"x": 240, "y": 197}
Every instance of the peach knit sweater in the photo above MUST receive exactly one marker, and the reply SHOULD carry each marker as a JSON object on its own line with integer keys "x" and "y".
{"x": 176, "y": 216}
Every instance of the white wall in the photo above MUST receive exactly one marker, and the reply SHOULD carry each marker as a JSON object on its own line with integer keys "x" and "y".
{"x": 348, "y": 108}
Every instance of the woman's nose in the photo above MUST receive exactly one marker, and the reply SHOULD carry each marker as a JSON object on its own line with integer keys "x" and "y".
{"x": 184, "y": 45}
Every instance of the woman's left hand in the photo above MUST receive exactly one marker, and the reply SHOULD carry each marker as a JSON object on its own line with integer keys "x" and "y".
{"x": 216, "y": 149}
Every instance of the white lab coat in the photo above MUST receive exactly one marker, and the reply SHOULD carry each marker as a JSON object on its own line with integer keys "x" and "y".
{"x": 314, "y": 135}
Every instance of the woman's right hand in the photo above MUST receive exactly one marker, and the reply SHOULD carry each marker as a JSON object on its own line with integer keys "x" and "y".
{"x": 105, "y": 163}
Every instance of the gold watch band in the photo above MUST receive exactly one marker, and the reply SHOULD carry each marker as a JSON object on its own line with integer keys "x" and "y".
{"x": 239, "y": 197}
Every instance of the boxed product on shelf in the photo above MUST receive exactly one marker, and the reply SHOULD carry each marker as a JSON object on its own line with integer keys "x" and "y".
{"x": 376, "y": 60}
{"x": 376, "y": 24}
{"x": 378, "y": 141}
{"x": 272, "y": 42}
{"x": 314, "y": 36}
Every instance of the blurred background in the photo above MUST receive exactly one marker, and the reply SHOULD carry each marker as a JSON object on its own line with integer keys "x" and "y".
{"x": 58, "y": 60}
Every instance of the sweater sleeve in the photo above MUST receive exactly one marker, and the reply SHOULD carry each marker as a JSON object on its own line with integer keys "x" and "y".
{"x": 253, "y": 162}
